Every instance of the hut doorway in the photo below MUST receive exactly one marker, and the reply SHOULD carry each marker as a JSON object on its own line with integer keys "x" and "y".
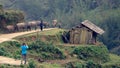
{"x": 94, "y": 38}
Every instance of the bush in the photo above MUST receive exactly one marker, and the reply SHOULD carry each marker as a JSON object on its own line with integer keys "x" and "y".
{"x": 10, "y": 49}
{"x": 69, "y": 65}
{"x": 47, "y": 50}
{"x": 1, "y": 52}
{"x": 2, "y": 66}
{"x": 14, "y": 43}
{"x": 111, "y": 66}
{"x": 32, "y": 64}
{"x": 96, "y": 53}
{"x": 79, "y": 65}
{"x": 91, "y": 64}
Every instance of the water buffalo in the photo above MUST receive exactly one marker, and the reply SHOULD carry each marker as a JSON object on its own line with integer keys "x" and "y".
{"x": 59, "y": 25}
{"x": 10, "y": 28}
{"x": 45, "y": 24}
{"x": 21, "y": 26}
{"x": 32, "y": 24}
{"x": 54, "y": 23}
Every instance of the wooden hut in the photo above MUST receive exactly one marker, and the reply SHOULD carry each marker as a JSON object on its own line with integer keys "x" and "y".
{"x": 85, "y": 33}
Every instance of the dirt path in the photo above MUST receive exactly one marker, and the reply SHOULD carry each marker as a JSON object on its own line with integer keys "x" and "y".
{"x": 6, "y": 60}
{"x": 7, "y": 37}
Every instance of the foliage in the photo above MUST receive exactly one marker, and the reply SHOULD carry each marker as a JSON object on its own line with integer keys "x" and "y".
{"x": 65, "y": 11}
{"x": 43, "y": 50}
{"x": 2, "y": 51}
{"x": 49, "y": 36}
{"x": 115, "y": 61}
{"x": 10, "y": 17}
{"x": 32, "y": 64}
{"x": 47, "y": 65}
{"x": 6, "y": 49}
{"x": 48, "y": 51}
{"x": 92, "y": 64}
{"x": 79, "y": 65}
{"x": 13, "y": 16}
{"x": 112, "y": 30}
{"x": 70, "y": 13}
{"x": 89, "y": 63}
{"x": 94, "y": 53}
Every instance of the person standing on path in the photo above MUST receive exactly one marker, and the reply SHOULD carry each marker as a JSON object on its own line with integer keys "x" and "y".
{"x": 24, "y": 48}
{"x": 41, "y": 25}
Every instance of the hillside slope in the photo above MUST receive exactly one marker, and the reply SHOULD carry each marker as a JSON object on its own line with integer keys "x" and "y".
{"x": 57, "y": 54}
{"x": 104, "y": 13}
{"x": 8, "y": 37}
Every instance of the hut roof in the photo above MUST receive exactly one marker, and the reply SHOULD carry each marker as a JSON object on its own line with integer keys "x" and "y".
{"x": 93, "y": 27}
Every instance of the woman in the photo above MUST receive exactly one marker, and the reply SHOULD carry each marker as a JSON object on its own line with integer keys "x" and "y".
{"x": 24, "y": 48}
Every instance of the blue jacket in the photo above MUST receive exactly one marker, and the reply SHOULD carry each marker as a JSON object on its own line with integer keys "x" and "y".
{"x": 24, "y": 49}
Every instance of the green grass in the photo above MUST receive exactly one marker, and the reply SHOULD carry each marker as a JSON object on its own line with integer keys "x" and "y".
{"x": 114, "y": 60}
{"x": 10, "y": 49}
{"x": 51, "y": 32}
{"x": 68, "y": 48}
{"x": 47, "y": 32}
{"x": 53, "y": 36}
{"x": 48, "y": 65}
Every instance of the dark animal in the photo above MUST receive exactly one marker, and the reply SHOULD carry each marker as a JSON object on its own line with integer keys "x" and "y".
{"x": 40, "y": 60}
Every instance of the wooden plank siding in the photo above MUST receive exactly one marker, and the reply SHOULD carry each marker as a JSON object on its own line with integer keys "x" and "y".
{"x": 80, "y": 36}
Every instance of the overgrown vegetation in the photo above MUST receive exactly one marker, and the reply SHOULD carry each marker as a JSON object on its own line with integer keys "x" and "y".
{"x": 84, "y": 56}
{"x": 98, "y": 54}
{"x": 92, "y": 56}
{"x": 51, "y": 36}
{"x": 10, "y": 17}
{"x": 46, "y": 51}
{"x": 6, "y": 49}
{"x": 105, "y": 13}
{"x": 37, "y": 48}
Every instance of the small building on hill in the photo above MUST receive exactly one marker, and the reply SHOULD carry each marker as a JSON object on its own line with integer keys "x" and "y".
{"x": 85, "y": 33}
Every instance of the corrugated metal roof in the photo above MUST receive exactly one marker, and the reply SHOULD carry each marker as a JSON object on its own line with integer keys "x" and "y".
{"x": 93, "y": 27}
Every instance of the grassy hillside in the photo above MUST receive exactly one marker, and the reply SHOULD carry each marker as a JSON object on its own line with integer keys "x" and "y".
{"x": 56, "y": 54}
{"x": 105, "y": 13}
{"x": 51, "y": 36}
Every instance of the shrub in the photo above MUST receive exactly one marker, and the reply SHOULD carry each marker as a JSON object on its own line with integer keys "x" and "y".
{"x": 96, "y": 53}
{"x": 10, "y": 49}
{"x": 91, "y": 64}
{"x": 32, "y": 64}
{"x": 46, "y": 50}
{"x": 111, "y": 66}
{"x": 1, "y": 52}
{"x": 69, "y": 65}
{"x": 79, "y": 65}
{"x": 14, "y": 43}
{"x": 2, "y": 66}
